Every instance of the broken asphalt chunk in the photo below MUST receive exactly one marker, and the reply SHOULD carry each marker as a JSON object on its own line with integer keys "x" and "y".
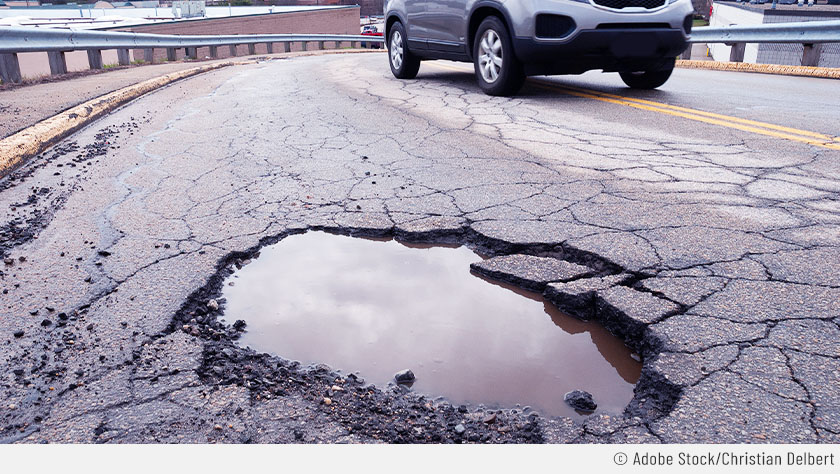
{"x": 529, "y": 271}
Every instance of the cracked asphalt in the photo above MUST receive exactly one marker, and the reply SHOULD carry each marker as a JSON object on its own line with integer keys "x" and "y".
{"x": 712, "y": 252}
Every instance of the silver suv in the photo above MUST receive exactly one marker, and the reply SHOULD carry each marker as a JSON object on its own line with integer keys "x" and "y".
{"x": 508, "y": 40}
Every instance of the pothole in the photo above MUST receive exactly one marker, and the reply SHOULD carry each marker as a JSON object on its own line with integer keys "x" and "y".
{"x": 375, "y": 307}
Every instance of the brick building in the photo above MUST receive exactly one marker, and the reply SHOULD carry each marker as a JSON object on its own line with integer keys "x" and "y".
{"x": 342, "y": 20}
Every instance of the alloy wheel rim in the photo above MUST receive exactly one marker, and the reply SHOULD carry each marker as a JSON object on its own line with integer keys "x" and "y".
{"x": 490, "y": 56}
{"x": 396, "y": 50}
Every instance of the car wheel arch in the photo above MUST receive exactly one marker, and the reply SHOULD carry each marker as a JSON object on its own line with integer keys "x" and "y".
{"x": 389, "y": 22}
{"x": 479, "y": 12}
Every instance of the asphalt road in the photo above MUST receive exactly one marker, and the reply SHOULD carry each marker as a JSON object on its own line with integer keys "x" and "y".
{"x": 712, "y": 249}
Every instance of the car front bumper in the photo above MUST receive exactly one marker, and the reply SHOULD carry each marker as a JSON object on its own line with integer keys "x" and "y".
{"x": 614, "y": 43}
{"x": 601, "y": 38}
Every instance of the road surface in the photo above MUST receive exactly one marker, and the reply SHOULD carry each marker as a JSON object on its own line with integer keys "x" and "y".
{"x": 707, "y": 211}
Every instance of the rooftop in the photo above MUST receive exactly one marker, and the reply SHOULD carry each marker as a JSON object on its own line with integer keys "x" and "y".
{"x": 86, "y": 17}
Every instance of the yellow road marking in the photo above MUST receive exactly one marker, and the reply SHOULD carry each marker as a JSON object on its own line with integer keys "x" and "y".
{"x": 753, "y": 126}
{"x": 781, "y": 128}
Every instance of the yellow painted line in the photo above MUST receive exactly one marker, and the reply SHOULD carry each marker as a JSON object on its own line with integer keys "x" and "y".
{"x": 752, "y": 126}
{"x": 802, "y": 136}
{"x": 771, "y": 126}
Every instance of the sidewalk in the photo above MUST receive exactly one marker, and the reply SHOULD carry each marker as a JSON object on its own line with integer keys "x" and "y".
{"x": 22, "y": 106}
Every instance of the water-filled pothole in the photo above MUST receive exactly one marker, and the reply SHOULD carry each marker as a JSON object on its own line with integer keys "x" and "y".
{"x": 376, "y": 307}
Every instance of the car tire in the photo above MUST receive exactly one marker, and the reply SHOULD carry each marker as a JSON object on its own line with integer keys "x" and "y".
{"x": 404, "y": 65}
{"x": 648, "y": 79}
{"x": 497, "y": 69}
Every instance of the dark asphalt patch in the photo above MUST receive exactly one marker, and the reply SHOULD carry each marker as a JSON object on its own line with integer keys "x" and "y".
{"x": 28, "y": 218}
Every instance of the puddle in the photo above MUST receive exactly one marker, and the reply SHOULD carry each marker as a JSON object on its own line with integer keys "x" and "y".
{"x": 376, "y": 307}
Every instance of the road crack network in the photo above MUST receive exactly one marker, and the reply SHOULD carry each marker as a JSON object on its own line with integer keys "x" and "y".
{"x": 711, "y": 259}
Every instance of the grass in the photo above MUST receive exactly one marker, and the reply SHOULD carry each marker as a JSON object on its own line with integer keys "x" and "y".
{"x": 700, "y": 22}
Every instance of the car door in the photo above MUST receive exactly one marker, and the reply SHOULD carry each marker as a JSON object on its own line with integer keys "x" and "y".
{"x": 446, "y": 25}
{"x": 417, "y": 28}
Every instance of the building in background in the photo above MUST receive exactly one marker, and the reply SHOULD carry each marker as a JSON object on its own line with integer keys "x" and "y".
{"x": 367, "y": 7}
{"x": 118, "y": 16}
{"x": 22, "y": 3}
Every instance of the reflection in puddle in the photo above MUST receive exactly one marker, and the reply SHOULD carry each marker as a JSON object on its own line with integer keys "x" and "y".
{"x": 377, "y": 307}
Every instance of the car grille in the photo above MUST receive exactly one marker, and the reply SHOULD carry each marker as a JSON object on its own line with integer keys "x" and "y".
{"x": 619, "y": 4}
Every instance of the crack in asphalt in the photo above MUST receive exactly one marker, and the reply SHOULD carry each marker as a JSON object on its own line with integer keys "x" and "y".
{"x": 442, "y": 164}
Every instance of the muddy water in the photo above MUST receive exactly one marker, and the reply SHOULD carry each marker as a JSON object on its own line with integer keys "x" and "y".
{"x": 377, "y": 307}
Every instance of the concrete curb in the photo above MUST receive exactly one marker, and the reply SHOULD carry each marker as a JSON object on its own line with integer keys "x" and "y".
{"x": 29, "y": 142}
{"x": 807, "y": 71}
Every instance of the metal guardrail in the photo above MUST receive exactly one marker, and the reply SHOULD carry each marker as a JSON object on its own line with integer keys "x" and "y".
{"x": 811, "y": 34}
{"x": 56, "y": 42}
{"x": 23, "y": 40}
{"x": 805, "y": 32}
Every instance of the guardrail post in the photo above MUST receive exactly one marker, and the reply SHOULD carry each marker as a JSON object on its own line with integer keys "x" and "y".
{"x": 170, "y": 54}
{"x": 192, "y": 53}
{"x": 149, "y": 54}
{"x": 303, "y": 46}
{"x": 269, "y": 48}
{"x": 233, "y": 50}
{"x": 811, "y": 54}
{"x": 687, "y": 53}
{"x": 95, "y": 58}
{"x": 9, "y": 67}
{"x": 736, "y": 54}
{"x": 214, "y": 51}
{"x": 320, "y": 45}
{"x": 287, "y": 46}
{"x": 252, "y": 49}
{"x": 123, "y": 57}
{"x": 58, "y": 62}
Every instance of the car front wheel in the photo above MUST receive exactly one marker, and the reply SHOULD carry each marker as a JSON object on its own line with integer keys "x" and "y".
{"x": 404, "y": 65}
{"x": 649, "y": 79}
{"x": 497, "y": 69}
